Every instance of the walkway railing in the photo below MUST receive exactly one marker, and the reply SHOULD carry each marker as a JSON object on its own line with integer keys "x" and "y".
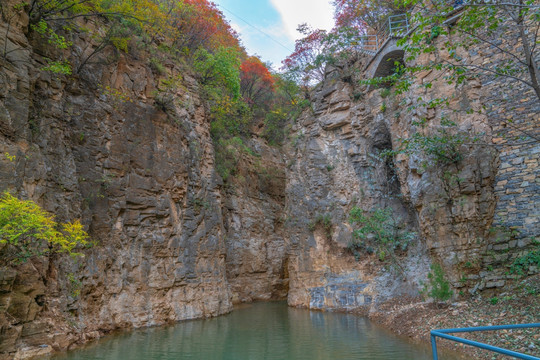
{"x": 444, "y": 334}
{"x": 396, "y": 26}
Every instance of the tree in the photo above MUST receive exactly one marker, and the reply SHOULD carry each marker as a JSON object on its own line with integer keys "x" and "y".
{"x": 219, "y": 71}
{"x": 316, "y": 50}
{"x": 438, "y": 287}
{"x": 308, "y": 61}
{"x": 27, "y": 231}
{"x": 256, "y": 82}
{"x": 510, "y": 28}
{"x": 360, "y": 14}
{"x": 199, "y": 23}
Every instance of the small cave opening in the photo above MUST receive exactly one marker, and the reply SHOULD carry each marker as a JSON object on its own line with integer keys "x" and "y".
{"x": 382, "y": 146}
{"x": 40, "y": 299}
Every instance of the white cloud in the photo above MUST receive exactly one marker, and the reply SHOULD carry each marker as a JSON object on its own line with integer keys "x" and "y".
{"x": 257, "y": 43}
{"x": 317, "y": 13}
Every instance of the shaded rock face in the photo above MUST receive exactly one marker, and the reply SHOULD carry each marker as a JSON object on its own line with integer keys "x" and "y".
{"x": 141, "y": 178}
{"x": 255, "y": 237}
{"x": 173, "y": 242}
{"x": 334, "y": 167}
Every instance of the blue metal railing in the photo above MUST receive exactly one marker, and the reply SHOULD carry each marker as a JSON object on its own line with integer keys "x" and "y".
{"x": 443, "y": 333}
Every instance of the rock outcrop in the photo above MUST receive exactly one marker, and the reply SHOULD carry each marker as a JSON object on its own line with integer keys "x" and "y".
{"x": 466, "y": 212}
{"x": 109, "y": 146}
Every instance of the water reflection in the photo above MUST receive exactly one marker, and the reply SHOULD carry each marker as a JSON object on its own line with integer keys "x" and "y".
{"x": 264, "y": 331}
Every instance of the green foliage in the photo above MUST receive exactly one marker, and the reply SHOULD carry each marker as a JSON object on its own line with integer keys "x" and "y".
{"x": 494, "y": 300}
{"x": 157, "y": 66}
{"x": 219, "y": 70}
{"x": 521, "y": 265}
{"x": 58, "y": 67}
{"x": 484, "y": 24}
{"x": 502, "y": 233}
{"x": 75, "y": 285}
{"x": 440, "y": 149}
{"x": 228, "y": 153}
{"x": 379, "y": 231}
{"x": 52, "y": 37}
{"x": 28, "y": 231}
{"x": 385, "y": 92}
{"x": 230, "y": 118}
{"x": 438, "y": 287}
{"x": 274, "y": 126}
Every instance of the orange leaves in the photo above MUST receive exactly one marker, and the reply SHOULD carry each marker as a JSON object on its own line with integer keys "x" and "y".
{"x": 256, "y": 81}
{"x": 253, "y": 67}
{"x": 200, "y": 23}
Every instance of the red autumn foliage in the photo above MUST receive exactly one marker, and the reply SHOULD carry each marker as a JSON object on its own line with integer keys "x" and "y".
{"x": 201, "y": 24}
{"x": 256, "y": 82}
{"x": 348, "y": 13}
{"x": 360, "y": 14}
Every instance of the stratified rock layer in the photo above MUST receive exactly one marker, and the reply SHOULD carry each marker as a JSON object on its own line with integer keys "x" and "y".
{"x": 139, "y": 172}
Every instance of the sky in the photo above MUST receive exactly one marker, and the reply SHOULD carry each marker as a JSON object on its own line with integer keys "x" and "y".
{"x": 277, "y": 21}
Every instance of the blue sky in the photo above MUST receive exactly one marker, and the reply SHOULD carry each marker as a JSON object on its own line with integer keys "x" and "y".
{"x": 277, "y": 18}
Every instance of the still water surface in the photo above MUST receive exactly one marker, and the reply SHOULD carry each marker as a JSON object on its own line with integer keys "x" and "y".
{"x": 262, "y": 331}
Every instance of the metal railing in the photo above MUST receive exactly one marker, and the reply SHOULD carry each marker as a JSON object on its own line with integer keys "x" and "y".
{"x": 443, "y": 333}
{"x": 367, "y": 43}
{"x": 396, "y": 26}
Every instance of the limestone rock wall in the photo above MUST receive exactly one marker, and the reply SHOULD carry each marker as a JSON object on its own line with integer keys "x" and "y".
{"x": 474, "y": 215}
{"x": 135, "y": 162}
{"x": 256, "y": 241}
{"x": 335, "y": 166}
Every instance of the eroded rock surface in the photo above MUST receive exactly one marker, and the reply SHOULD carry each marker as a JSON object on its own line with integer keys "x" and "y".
{"x": 135, "y": 162}
{"x": 140, "y": 175}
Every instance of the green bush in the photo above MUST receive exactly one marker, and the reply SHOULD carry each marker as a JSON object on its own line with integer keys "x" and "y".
{"x": 438, "y": 287}
{"x": 275, "y": 126}
{"x": 521, "y": 265}
{"x": 380, "y": 228}
{"x": 324, "y": 221}
{"x": 26, "y": 231}
{"x": 228, "y": 153}
{"x": 219, "y": 71}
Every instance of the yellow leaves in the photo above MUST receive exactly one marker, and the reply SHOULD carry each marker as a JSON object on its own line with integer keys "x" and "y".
{"x": 121, "y": 43}
{"x": 32, "y": 231}
{"x": 11, "y": 158}
{"x": 74, "y": 235}
{"x": 116, "y": 96}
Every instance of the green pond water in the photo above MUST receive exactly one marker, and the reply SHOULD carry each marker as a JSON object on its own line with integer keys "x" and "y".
{"x": 262, "y": 331}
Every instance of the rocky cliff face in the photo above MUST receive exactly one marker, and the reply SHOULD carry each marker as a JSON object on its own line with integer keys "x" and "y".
{"x": 135, "y": 162}
{"x": 337, "y": 163}
{"x": 139, "y": 171}
{"x": 255, "y": 237}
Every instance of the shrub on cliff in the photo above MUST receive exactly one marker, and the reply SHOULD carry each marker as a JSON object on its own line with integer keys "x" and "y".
{"x": 26, "y": 231}
{"x": 437, "y": 287}
{"x": 379, "y": 231}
